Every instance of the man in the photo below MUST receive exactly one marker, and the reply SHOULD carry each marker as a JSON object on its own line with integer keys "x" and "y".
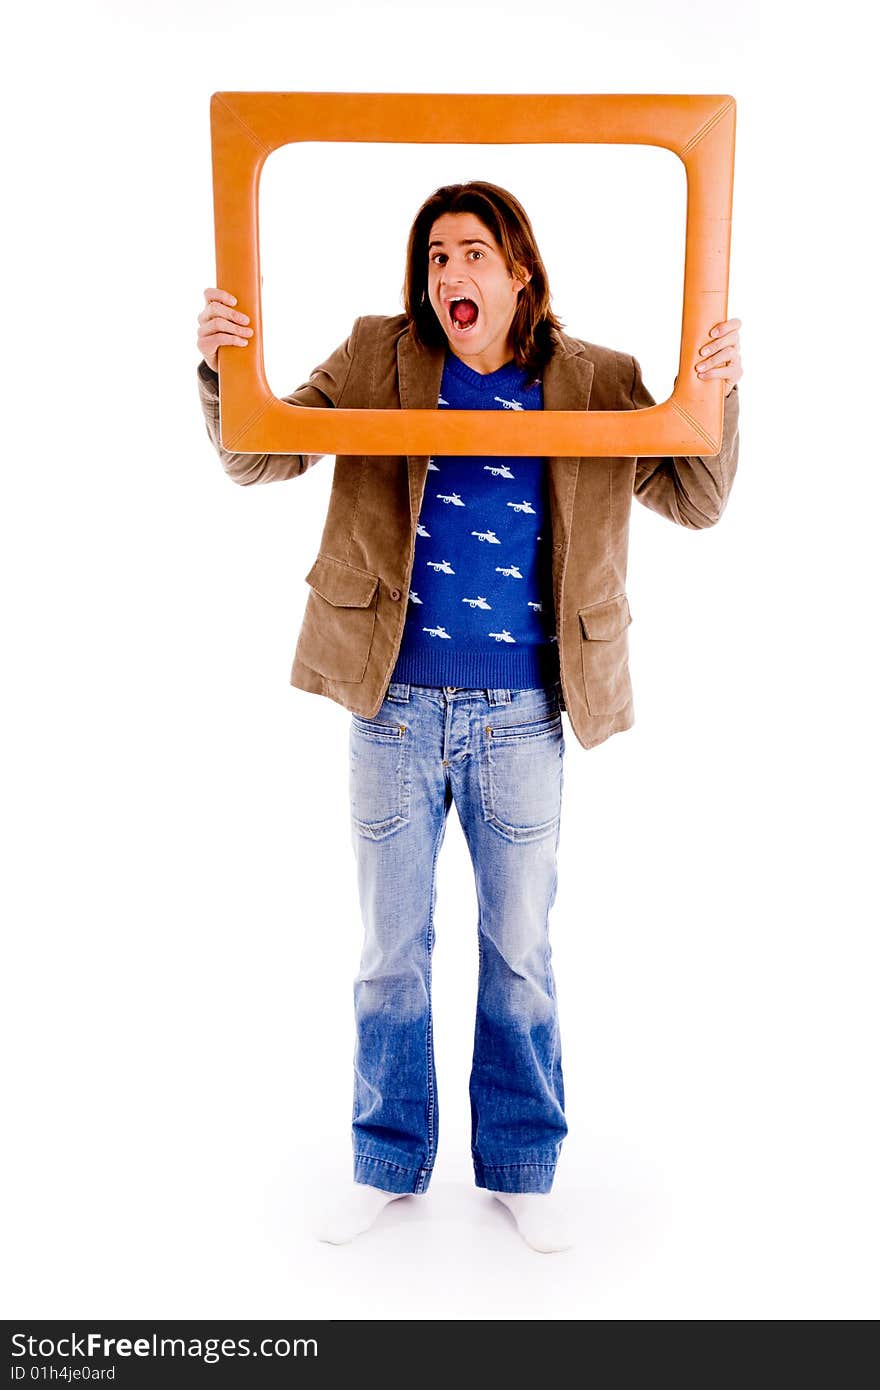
{"x": 457, "y": 606}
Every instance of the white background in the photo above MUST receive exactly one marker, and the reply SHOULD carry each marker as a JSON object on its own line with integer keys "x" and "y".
{"x": 610, "y": 221}
{"x": 180, "y": 910}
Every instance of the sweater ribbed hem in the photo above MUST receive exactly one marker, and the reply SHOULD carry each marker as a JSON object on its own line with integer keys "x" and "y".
{"x": 526, "y": 668}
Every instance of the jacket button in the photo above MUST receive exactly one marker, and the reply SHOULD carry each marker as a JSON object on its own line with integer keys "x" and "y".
{"x": 395, "y": 593}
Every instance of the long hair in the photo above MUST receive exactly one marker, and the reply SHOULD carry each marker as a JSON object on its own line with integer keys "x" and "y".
{"x": 509, "y": 224}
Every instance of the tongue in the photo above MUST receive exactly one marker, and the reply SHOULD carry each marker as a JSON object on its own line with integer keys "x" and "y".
{"x": 464, "y": 311}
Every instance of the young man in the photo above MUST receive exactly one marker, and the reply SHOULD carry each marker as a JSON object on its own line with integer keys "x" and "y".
{"x": 457, "y": 606}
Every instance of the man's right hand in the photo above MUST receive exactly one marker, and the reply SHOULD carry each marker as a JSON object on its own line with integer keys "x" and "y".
{"x": 219, "y": 324}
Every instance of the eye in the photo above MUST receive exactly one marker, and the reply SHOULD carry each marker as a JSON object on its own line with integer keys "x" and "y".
{"x": 442, "y": 254}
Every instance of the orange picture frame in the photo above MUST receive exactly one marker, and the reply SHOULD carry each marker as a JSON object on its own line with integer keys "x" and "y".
{"x": 247, "y": 126}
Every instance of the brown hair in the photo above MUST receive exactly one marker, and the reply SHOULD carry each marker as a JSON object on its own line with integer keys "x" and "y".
{"x": 509, "y": 224}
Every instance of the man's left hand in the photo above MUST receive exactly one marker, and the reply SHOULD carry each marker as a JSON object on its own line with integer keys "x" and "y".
{"x": 720, "y": 356}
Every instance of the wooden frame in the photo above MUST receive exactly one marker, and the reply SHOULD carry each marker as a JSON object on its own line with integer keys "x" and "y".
{"x": 247, "y": 126}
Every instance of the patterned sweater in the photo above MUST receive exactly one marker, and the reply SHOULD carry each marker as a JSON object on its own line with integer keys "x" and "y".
{"x": 480, "y": 606}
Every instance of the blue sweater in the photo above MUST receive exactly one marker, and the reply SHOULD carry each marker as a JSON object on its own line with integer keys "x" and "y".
{"x": 480, "y": 606}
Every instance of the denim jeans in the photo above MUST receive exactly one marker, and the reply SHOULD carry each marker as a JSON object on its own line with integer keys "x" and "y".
{"x": 498, "y": 755}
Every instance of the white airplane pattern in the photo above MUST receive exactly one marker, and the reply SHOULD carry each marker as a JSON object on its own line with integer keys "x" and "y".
{"x": 454, "y": 499}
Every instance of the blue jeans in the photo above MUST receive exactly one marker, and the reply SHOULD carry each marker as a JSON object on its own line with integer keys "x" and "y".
{"x": 498, "y": 755}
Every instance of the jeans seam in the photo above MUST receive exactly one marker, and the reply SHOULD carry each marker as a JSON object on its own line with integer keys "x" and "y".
{"x": 371, "y": 1158}
{"x": 500, "y": 1167}
{"x": 475, "y": 1115}
{"x": 429, "y": 1118}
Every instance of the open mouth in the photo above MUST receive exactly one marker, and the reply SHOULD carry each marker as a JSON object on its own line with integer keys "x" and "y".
{"x": 463, "y": 314}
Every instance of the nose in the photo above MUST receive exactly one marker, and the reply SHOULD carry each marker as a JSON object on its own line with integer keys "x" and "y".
{"x": 451, "y": 282}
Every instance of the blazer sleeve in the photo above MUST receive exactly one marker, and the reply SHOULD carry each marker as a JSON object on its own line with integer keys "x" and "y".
{"x": 690, "y": 491}
{"x": 324, "y": 388}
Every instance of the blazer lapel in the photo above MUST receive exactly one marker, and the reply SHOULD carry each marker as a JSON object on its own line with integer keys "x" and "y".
{"x": 419, "y": 373}
{"x": 568, "y": 376}
{"x": 568, "y": 383}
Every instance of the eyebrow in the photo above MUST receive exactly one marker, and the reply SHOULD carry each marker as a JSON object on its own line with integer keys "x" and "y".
{"x": 472, "y": 241}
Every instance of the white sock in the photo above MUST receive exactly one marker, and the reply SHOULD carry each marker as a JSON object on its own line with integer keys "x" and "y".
{"x": 539, "y": 1219}
{"x": 353, "y": 1211}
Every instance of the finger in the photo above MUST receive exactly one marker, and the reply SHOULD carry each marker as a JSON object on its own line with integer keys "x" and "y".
{"x": 215, "y": 340}
{"x": 719, "y": 357}
{"x": 223, "y": 295}
{"x": 731, "y": 371}
{"x": 729, "y": 326}
{"x": 715, "y": 359}
{"x": 218, "y": 325}
{"x": 215, "y": 297}
{"x": 214, "y": 309}
{"x": 727, "y": 365}
{"x": 719, "y": 345}
{"x": 221, "y": 324}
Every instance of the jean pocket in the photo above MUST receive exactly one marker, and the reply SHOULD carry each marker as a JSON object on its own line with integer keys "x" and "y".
{"x": 535, "y": 726}
{"x": 377, "y": 728}
{"x": 379, "y": 776}
{"x": 522, "y": 776}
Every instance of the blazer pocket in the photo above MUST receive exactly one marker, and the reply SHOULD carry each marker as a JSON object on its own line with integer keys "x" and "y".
{"x": 605, "y": 654}
{"x": 338, "y": 623}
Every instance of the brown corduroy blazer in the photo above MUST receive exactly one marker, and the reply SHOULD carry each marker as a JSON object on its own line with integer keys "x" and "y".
{"x": 359, "y": 582}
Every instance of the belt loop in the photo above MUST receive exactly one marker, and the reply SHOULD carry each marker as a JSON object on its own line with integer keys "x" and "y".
{"x": 498, "y": 697}
{"x": 399, "y": 690}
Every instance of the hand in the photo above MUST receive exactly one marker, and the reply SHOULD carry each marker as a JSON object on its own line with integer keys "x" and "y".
{"x": 720, "y": 356}
{"x": 220, "y": 324}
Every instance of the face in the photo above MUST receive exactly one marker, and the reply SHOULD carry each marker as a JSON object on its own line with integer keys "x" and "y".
{"x": 464, "y": 259}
